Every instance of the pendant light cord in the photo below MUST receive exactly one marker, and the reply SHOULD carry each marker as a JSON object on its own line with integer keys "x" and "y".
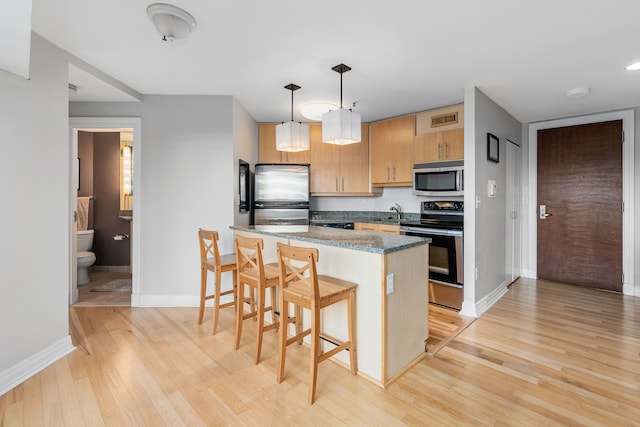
{"x": 291, "y": 104}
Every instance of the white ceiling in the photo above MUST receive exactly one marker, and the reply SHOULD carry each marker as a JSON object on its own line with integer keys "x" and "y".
{"x": 406, "y": 56}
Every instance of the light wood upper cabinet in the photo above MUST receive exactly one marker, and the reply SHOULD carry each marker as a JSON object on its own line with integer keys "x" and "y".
{"x": 439, "y": 134}
{"x": 267, "y": 152}
{"x": 339, "y": 169}
{"x": 437, "y": 146}
{"x": 392, "y": 152}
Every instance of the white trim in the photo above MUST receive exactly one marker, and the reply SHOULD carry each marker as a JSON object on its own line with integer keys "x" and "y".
{"x": 628, "y": 197}
{"x": 30, "y": 366}
{"x": 169, "y": 301}
{"x": 480, "y": 307}
{"x": 76, "y": 123}
{"x": 528, "y": 273}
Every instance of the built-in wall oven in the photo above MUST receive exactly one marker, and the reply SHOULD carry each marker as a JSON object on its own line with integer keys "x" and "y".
{"x": 442, "y": 222}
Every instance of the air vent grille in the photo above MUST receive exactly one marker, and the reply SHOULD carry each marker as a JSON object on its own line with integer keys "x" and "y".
{"x": 444, "y": 119}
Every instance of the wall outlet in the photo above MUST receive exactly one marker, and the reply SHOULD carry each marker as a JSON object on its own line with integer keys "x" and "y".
{"x": 391, "y": 286}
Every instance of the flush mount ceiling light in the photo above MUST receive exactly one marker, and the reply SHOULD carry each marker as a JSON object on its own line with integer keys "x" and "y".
{"x": 341, "y": 126}
{"x": 292, "y": 136}
{"x": 578, "y": 92}
{"x": 170, "y": 21}
{"x": 315, "y": 110}
{"x": 633, "y": 67}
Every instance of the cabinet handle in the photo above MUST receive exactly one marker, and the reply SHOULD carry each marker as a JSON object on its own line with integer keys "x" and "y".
{"x": 446, "y": 150}
{"x": 336, "y": 183}
{"x": 343, "y": 183}
{"x": 388, "y": 175}
{"x": 394, "y": 173}
{"x": 439, "y": 151}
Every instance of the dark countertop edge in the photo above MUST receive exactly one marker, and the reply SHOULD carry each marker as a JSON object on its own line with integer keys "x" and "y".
{"x": 413, "y": 241}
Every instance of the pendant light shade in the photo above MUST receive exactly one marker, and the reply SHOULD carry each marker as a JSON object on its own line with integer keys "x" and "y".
{"x": 341, "y": 126}
{"x": 292, "y": 136}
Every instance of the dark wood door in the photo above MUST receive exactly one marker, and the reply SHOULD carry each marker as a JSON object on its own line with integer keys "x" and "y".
{"x": 580, "y": 183}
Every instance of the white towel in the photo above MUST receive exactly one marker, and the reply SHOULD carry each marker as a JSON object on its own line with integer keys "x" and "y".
{"x": 83, "y": 213}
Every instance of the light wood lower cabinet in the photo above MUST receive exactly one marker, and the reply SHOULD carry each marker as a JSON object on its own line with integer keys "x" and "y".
{"x": 392, "y": 152}
{"x": 267, "y": 152}
{"x": 377, "y": 228}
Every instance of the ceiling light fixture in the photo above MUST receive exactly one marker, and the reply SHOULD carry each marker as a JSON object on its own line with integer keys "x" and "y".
{"x": 170, "y": 21}
{"x": 292, "y": 136}
{"x": 578, "y": 92}
{"x": 314, "y": 110}
{"x": 633, "y": 67}
{"x": 341, "y": 126}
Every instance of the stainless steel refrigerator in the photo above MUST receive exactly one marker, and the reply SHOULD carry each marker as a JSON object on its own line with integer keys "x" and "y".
{"x": 281, "y": 194}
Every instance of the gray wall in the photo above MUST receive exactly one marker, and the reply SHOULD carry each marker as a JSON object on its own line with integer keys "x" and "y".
{"x": 485, "y": 217}
{"x": 35, "y": 187}
{"x": 187, "y": 170}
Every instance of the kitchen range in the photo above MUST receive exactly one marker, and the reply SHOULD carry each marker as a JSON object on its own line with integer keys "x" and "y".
{"x": 442, "y": 222}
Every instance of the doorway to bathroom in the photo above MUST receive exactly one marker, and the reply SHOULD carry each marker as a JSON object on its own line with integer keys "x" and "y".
{"x": 102, "y": 184}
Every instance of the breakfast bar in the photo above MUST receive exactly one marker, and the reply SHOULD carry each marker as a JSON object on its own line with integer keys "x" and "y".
{"x": 391, "y": 272}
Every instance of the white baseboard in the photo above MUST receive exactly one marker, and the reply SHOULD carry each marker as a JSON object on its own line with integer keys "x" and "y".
{"x": 630, "y": 289}
{"x": 173, "y": 301}
{"x": 24, "y": 370}
{"x": 477, "y": 309}
{"x": 529, "y": 274}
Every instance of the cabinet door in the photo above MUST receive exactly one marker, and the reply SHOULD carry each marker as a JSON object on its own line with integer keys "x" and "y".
{"x": 325, "y": 163}
{"x": 267, "y": 152}
{"x": 427, "y": 147}
{"x": 453, "y": 141}
{"x": 388, "y": 229}
{"x": 392, "y": 151}
{"x": 363, "y": 226}
{"x": 354, "y": 165}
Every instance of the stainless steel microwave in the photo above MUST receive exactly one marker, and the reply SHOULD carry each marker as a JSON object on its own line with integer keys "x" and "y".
{"x": 439, "y": 178}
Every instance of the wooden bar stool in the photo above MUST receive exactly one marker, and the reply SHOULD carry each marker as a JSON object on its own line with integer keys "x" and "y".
{"x": 301, "y": 285}
{"x": 259, "y": 277}
{"x": 211, "y": 260}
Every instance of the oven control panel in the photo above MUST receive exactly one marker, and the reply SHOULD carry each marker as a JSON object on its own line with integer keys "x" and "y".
{"x": 443, "y": 206}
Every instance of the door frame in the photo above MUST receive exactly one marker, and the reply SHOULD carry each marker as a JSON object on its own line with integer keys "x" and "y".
{"x": 628, "y": 255}
{"x": 115, "y": 123}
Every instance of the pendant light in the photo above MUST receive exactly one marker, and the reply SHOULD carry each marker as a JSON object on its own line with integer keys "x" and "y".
{"x": 292, "y": 136}
{"x": 341, "y": 126}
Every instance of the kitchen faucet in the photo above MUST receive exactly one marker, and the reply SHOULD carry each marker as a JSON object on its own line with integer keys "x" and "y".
{"x": 398, "y": 210}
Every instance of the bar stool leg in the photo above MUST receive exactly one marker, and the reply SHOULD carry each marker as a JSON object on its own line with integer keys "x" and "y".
{"x": 283, "y": 334}
{"x": 315, "y": 351}
{"x": 216, "y": 302}
{"x": 239, "y": 313}
{"x": 353, "y": 359}
{"x": 203, "y": 293}
{"x": 260, "y": 317}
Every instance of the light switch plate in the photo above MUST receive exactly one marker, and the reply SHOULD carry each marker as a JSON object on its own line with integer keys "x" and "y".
{"x": 492, "y": 188}
{"x": 391, "y": 286}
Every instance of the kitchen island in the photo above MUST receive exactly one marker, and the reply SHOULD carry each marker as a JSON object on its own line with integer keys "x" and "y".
{"x": 391, "y": 272}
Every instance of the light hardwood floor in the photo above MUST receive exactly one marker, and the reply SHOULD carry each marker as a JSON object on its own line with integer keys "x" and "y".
{"x": 545, "y": 354}
{"x": 96, "y": 278}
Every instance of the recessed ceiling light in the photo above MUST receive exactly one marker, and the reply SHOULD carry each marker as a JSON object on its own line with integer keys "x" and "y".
{"x": 578, "y": 92}
{"x": 314, "y": 110}
{"x": 633, "y": 67}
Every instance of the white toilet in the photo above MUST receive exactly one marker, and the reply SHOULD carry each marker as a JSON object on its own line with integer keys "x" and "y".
{"x": 84, "y": 257}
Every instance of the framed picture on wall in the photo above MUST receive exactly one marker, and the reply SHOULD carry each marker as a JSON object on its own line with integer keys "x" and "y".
{"x": 493, "y": 148}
